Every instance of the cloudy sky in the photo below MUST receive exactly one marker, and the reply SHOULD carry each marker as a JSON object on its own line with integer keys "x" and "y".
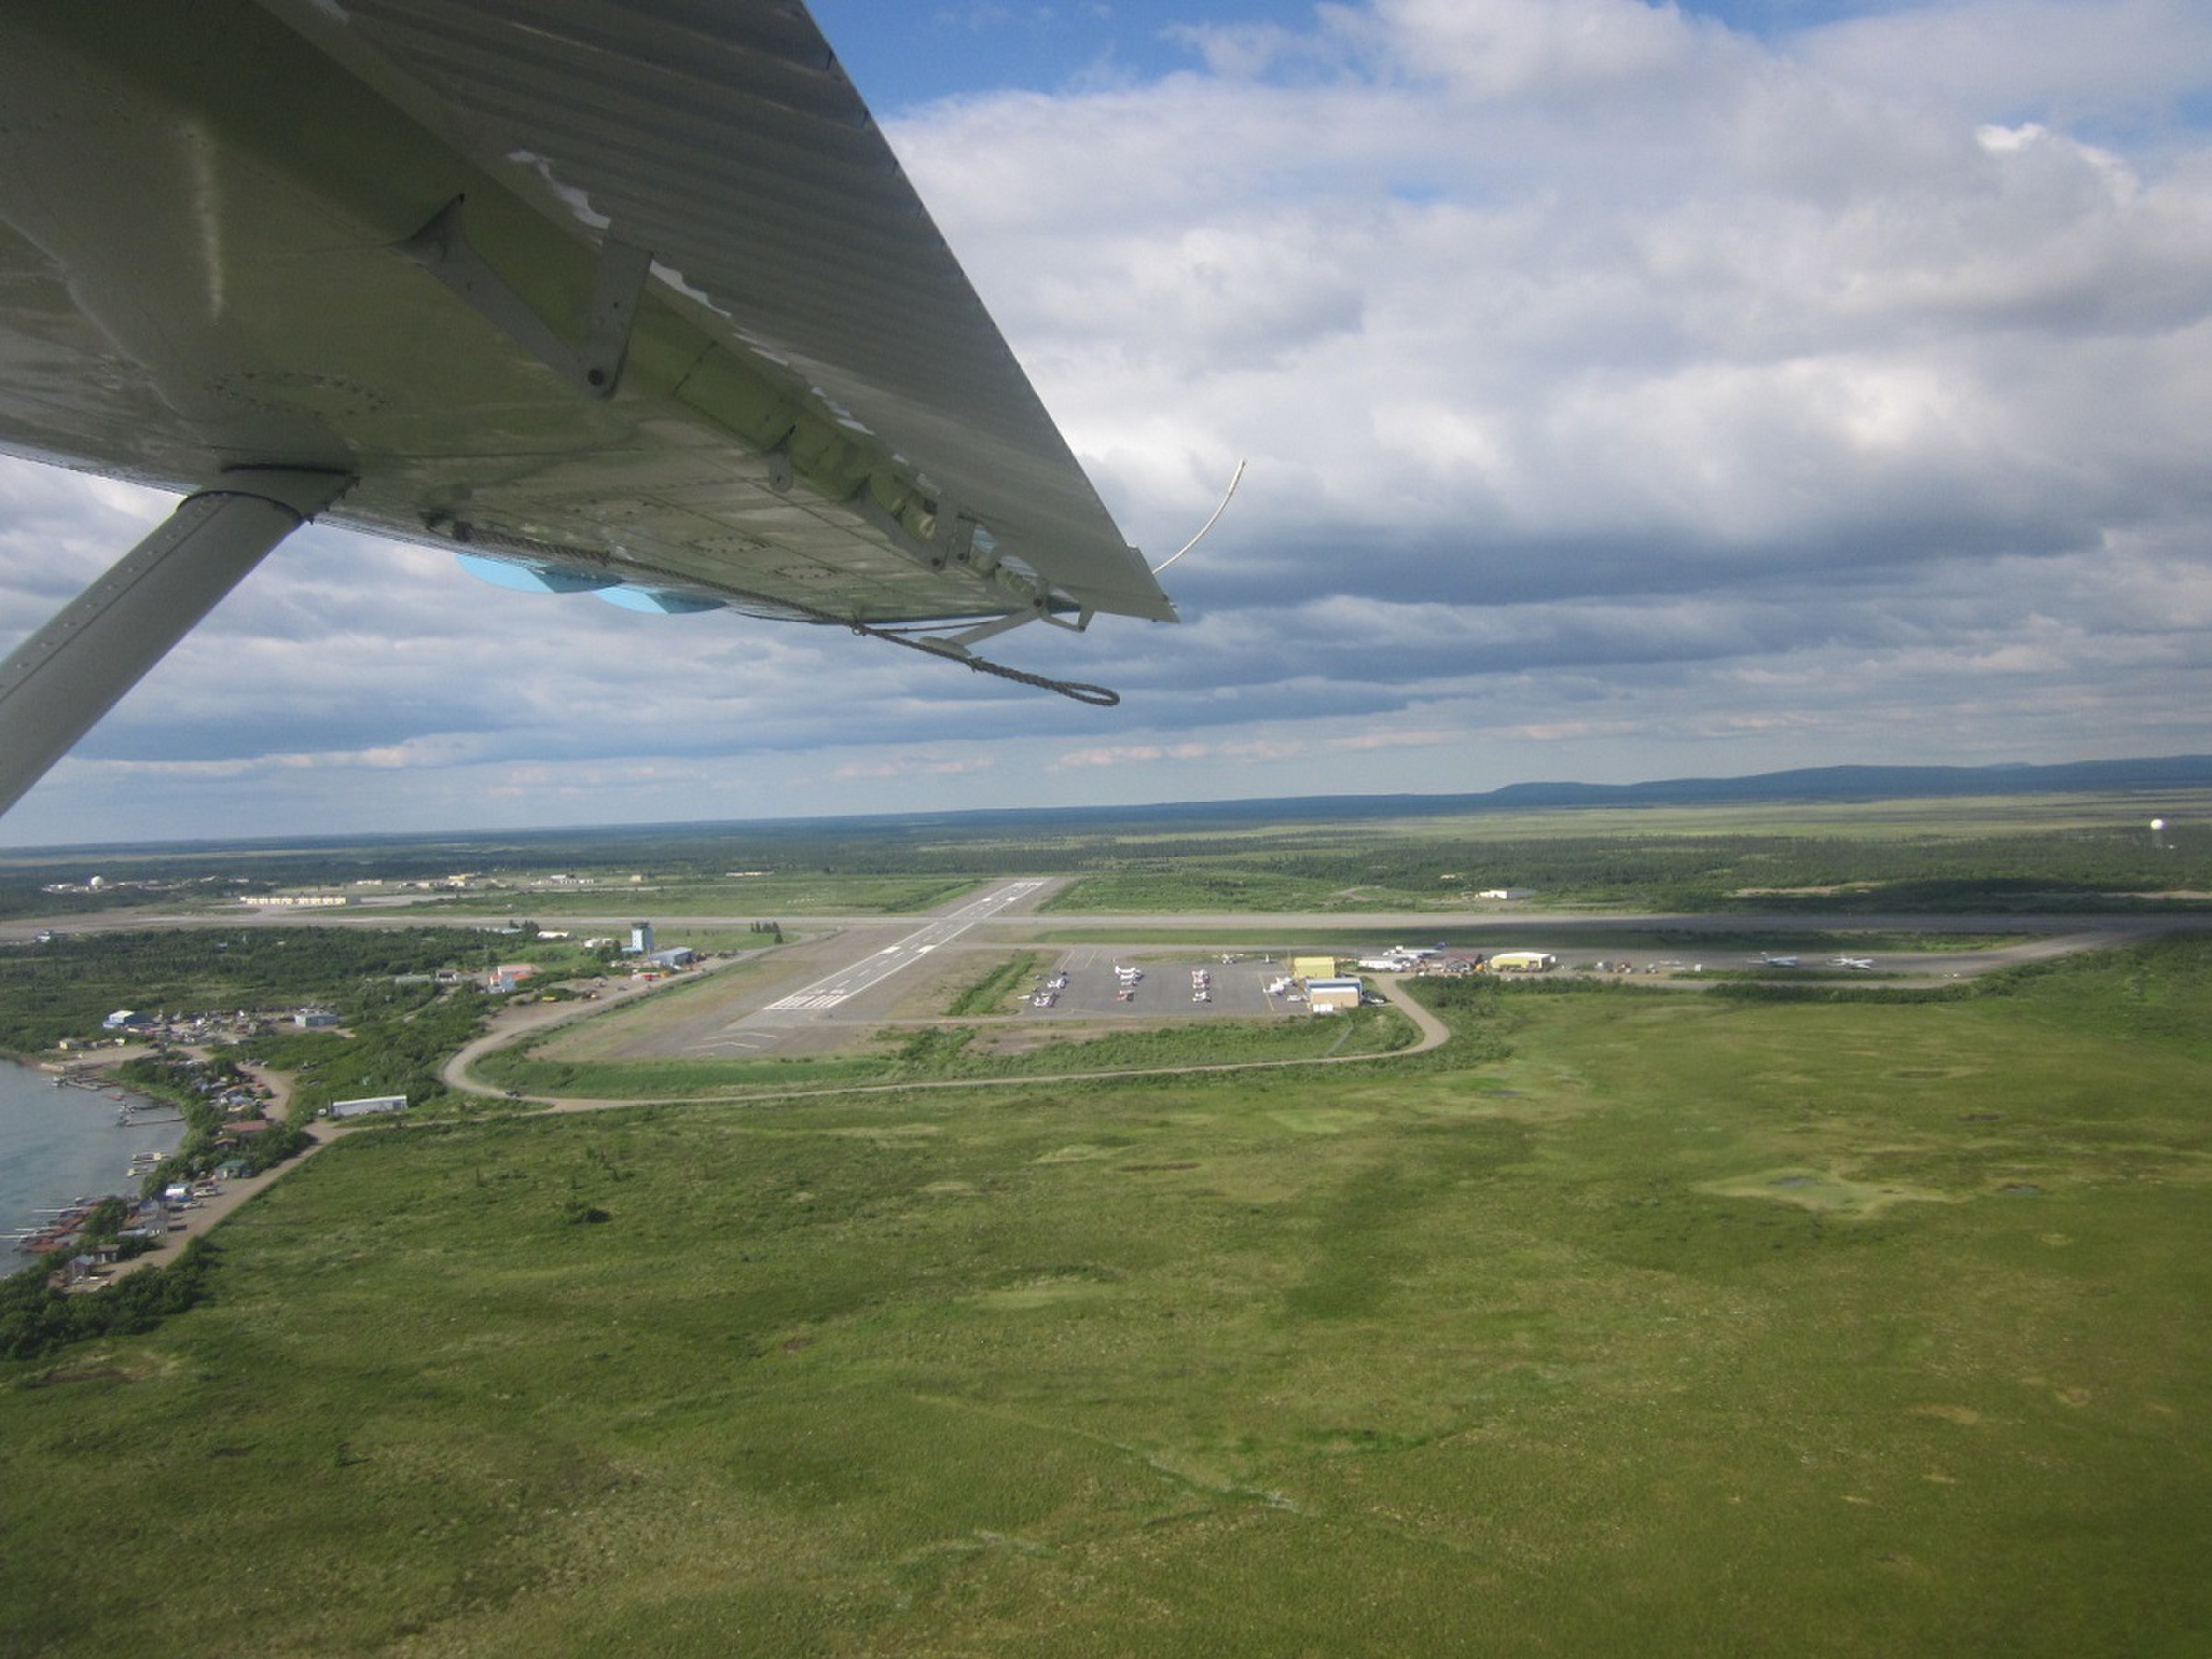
{"x": 1629, "y": 391}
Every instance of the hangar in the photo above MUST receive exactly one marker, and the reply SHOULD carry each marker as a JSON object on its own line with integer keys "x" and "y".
{"x": 1523, "y": 961}
{"x": 1333, "y": 995}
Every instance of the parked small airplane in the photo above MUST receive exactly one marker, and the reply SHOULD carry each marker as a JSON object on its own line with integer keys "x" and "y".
{"x": 1776, "y": 961}
{"x": 1861, "y": 963}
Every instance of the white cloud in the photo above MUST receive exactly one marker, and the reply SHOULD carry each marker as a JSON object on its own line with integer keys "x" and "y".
{"x": 1625, "y": 397}
{"x": 916, "y": 766}
{"x": 2079, "y": 60}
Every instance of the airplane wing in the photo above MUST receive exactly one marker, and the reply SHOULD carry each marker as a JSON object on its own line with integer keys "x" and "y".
{"x": 623, "y": 294}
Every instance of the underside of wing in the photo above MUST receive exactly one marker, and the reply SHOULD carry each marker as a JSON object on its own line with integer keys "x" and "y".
{"x": 620, "y": 293}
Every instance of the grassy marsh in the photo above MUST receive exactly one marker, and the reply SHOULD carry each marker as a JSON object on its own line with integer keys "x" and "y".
{"x": 1630, "y": 1324}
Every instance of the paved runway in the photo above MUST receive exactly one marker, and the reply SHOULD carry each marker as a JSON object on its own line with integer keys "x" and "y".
{"x": 761, "y": 1030}
{"x": 873, "y": 971}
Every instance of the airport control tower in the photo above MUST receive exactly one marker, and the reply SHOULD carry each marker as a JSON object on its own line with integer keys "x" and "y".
{"x": 640, "y": 937}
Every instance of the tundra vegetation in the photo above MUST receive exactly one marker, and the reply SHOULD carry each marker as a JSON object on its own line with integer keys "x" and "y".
{"x": 1980, "y": 852}
{"x": 1628, "y": 1321}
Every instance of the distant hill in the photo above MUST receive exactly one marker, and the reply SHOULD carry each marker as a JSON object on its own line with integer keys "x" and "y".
{"x": 1819, "y": 784}
{"x": 1812, "y": 783}
{"x": 1875, "y": 783}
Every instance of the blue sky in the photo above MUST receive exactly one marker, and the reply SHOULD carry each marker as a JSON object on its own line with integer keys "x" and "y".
{"x": 901, "y": 56}
{"x": 904, "y": 55}
{"x": 1628, "y": 392}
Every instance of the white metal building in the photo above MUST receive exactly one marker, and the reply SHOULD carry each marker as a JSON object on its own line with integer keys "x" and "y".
{"x": 1333, "y": 995}
{"x": 367, "y": 1106}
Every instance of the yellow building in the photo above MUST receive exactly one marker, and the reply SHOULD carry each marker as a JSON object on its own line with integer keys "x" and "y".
{"x": 1313, "y": 967}
{"x": 1523, "y": 961}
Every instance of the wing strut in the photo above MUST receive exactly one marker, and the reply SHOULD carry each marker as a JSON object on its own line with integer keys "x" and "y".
{"x": 63, "y": 679}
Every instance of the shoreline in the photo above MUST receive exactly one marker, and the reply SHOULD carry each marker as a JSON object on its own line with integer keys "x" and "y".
{"x": 205, "y": 1211}
{"x": 67, "y": 1140}
{"x": 204, "y": 1214}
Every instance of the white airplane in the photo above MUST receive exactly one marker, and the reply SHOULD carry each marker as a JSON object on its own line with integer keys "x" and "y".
{"x": 629, "y": 297}
{"x": 1776, "y": 961}
{"x": 1861, "y": 963}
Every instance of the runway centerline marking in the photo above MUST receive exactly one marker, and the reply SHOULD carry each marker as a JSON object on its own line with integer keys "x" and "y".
{"x": 847, "y": 983}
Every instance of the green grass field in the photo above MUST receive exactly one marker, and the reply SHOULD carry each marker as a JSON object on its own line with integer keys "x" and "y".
{"x": 1001, "y": 990}
{"x": 1633, "y": 1323}
{"x": 571, "y": 1063}
{"x": 1992, "y": 854}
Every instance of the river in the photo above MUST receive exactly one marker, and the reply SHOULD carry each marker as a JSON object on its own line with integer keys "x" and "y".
{"x": 61, "y": 1144}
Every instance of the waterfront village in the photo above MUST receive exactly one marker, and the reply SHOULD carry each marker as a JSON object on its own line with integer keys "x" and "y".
{"x": 236, "y": 1115}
